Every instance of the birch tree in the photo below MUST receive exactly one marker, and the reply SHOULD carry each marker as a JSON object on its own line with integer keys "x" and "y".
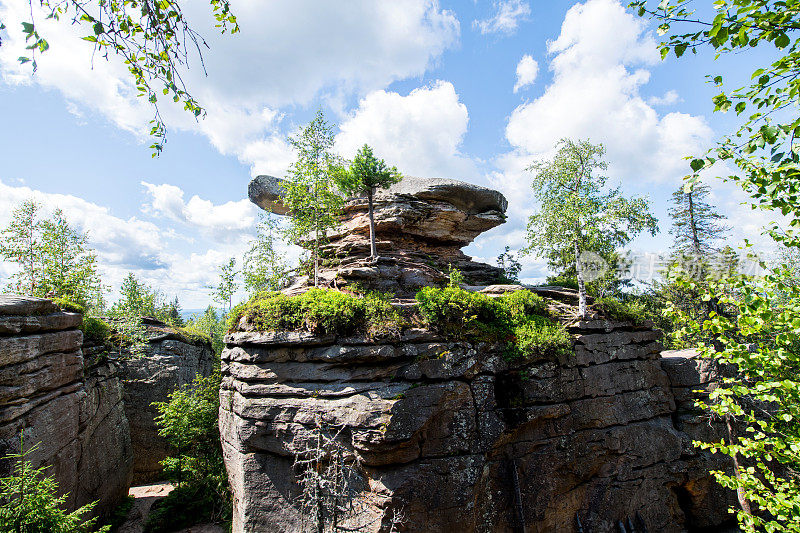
{"x": 577, "y": 216}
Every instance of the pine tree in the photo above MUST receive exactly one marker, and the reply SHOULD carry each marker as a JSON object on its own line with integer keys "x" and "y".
{"x": 365, "y": 176}
{"x": 696, "y": 226}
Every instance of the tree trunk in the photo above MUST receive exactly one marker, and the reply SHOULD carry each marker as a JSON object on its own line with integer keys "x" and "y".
{"x": 581, "y": 284}
{"x": 743, "y": 503}
{"x": 372, "y": 248}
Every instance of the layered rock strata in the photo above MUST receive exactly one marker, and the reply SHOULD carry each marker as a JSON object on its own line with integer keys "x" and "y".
{"x": 421, "y": 225}
{"x": 451, "y": 436}
{"x": 68, "y": 408}
{"x": 170, "y": 361}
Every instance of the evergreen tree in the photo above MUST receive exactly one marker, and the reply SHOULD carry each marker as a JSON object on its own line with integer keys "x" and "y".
{"x": 313, "y": 205}
{"x": 263, "y": 267}
{"x": 366, "y": 175}
{"x": 577, "y": 220}
{"x": 696, "y": 225}
{"x": 21, "y": 244}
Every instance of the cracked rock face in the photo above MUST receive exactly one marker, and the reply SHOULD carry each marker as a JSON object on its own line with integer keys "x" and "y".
{"x": 169, "y": 362}
{"x": 455, "y": 438}
{"x": 421, "y": 225}
{"x": 69, "y": 407}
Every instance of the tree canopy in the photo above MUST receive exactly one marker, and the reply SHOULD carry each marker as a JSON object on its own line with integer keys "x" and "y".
{"x": 577, "y": 215}
{"x": 365, "y": 175}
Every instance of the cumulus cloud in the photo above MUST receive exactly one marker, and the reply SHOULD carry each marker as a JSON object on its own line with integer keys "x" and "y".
{"x": 527, "y": 69}
{"x": 224, "y": 222}
{"x": 506, "y": 17}
{"x": 668, "y": 98}
{"x": 420, "y": 133}
{"x": 304, "y": 48}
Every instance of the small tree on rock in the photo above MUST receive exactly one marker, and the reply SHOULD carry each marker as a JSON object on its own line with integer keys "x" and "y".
{"x": 576, "y": 217}
{"x": 364, "y": 177}
{"x": 310, "y": 197}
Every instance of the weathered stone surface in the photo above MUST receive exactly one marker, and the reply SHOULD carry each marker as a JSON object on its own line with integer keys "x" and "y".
{"x": 421, "y": 224}
{"x": 70, "y": 410}
{"x": 168, "y": 362}
{"x": 441, "y": 430}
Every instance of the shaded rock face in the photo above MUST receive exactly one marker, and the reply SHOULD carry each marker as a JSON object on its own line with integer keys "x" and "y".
{"x": 456, "y": 438}
{"x": 169, "y": 362}
{"x": 421, "y": 225}
{"x": 70, "y": 407}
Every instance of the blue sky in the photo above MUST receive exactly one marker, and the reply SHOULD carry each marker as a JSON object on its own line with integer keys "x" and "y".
{"x": 468, "y": 90}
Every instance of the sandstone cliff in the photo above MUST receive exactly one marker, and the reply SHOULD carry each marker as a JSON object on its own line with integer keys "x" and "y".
{"x": 170, "y": 361}
{"x": 70, "y": 408}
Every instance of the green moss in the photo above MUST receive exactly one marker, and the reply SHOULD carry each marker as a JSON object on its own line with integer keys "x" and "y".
{"x": 317, "y": 311}
{"x": 193, "y": 334}
{"x": 68, "y": 305}
{"x": 613, "y": 309}
{"x": 518, "y": 318}
{"x": 95, "y": 329}
{"x": 539, "y": 336}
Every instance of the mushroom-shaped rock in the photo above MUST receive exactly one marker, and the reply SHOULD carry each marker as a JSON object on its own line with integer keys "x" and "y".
{"x": 267, "y": 193}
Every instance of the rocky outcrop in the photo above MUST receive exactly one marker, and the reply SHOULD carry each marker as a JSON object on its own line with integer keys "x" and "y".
{"x": 69, "y": 408}
{"x": 421, "y": 226}
{"x": 170, "y": 360}
{"x": 452, "y": 436}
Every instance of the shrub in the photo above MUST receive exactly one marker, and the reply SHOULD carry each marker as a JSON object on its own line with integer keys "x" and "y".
{"x": 188, "y": 421}
{"x": 69, "y": 306}
{"x": 520, "y": 304}
{"x": 629, "y": 311}
{"x": 193, "y": 334}
{"x": 95, "y": 329}
{"x": 456, "y": 310}
{"x": 29, "y": 503}
{"x": 539, "y": 336}
{"x": 317, "y": 311}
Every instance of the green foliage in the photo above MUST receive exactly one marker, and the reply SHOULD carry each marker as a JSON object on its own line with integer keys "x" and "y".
{"x": 120, "y": 514}
{"x": 510, "y": 265}
{"x": 455, "y": 277}
{"x": 364, "y": 177}
{"x": 762, "y": 340}
{"x": 518, "y": 318}
{"x": 69, "y": 306}
{"x": 577, "y": 216}
{"x": 695, "y": 223}
{"x": 29, "y": 502}
{"x": 629, "y": 310}
{"x": 138, "y": 299}
{"x": 539, "y": 335}
{"x": 52, "y": 258}
{"x": 153, "y": 40}
{"x": 264, "y": 269}
{"x": 563, "y": 280}
{"x": 318, "y": 311}
{"x": 223, "y": 292}
{"x": 95, "y": 329}
{"x": 313, "y": 205}
{"x": 209, "y": 325}
{"x": 188, "y": 421}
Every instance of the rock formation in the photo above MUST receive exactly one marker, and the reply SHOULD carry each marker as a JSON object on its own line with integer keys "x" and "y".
{"x": 421, "y": 226}
{"x": 453, "y": 437}
{"x": 68, "y": 407}
{"x": 170, "y": 360}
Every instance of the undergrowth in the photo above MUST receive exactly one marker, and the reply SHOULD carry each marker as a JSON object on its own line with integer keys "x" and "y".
{"x": 318, "y": 311}
{"x": 632, "y": 311}
{"x": 520, "y": 319}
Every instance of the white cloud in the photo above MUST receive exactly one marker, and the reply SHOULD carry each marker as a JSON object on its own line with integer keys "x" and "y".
{"x": 420, "y": 133}
{"x": 224, "y": 222}
{"x": 121, "y": 244}
{"x": 527, "y": 69}
{"x": 668, "y": 98}
{"x": 287, "y": 53}
{"x": 506, "y": 18}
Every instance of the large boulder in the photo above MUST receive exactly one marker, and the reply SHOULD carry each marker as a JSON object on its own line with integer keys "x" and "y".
{"x": 452, "y": 436}
{"x": 170, "y": 361}
{"x": 421, "y": 224}
{"x": 66, "y": 408}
